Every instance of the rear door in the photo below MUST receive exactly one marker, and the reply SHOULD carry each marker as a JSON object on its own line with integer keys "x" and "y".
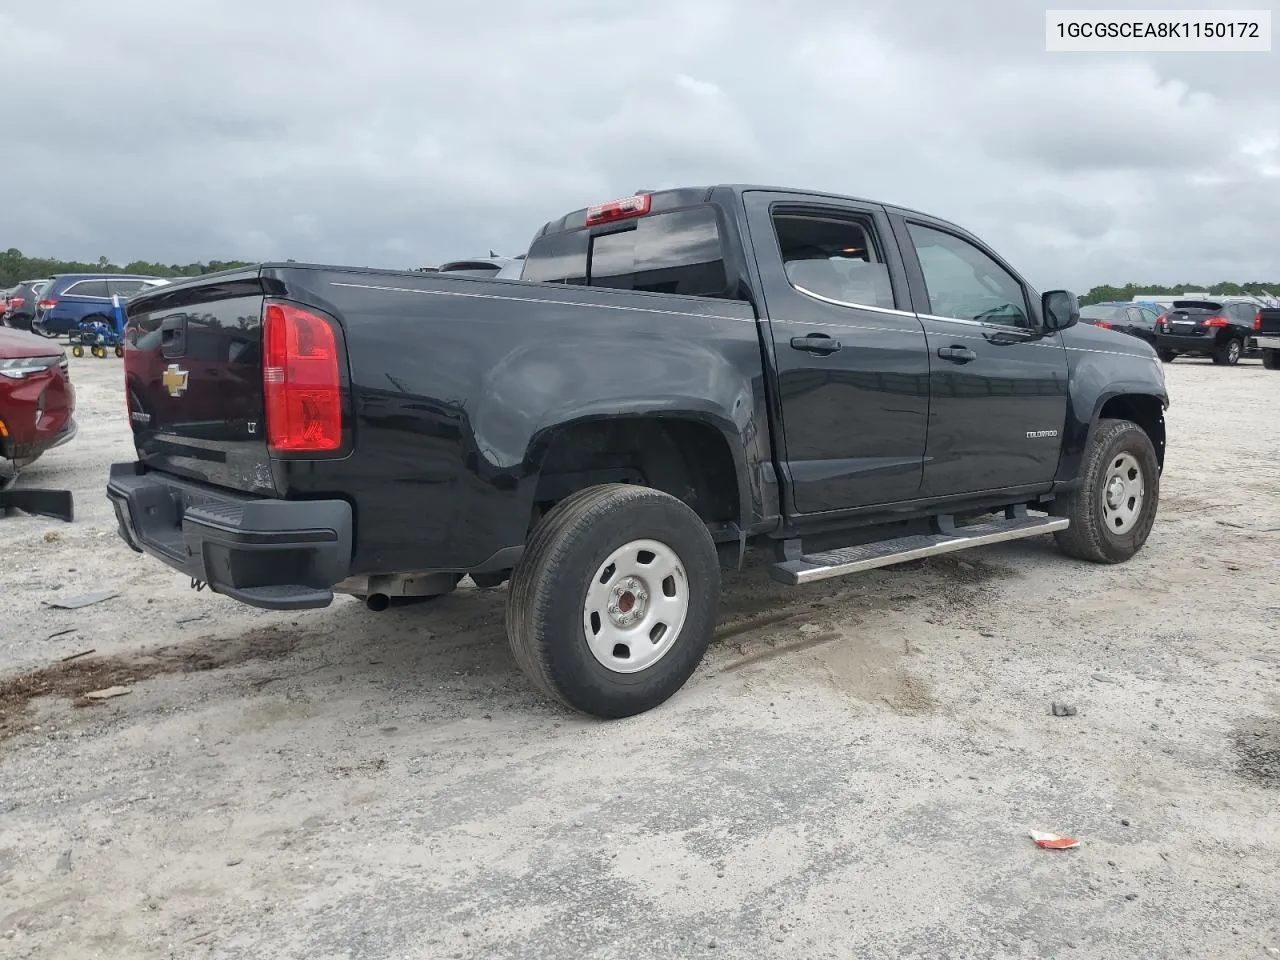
{"x": 193, "y": 376}
{"x": 998, "y": 382}
{"x": 851, "y": 367}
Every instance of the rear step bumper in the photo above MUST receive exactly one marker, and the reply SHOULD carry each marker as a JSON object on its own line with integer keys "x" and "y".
{"x": 273, "y": 554}
{"x": 883, "y": 553}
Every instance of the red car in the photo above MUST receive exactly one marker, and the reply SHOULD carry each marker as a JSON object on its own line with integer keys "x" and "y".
{"x": 37, "y": 400}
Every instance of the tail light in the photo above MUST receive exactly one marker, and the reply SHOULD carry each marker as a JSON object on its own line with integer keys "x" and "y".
{"x": 1216, "y": 322}
{"x": 300, "y": 380}
{"x": 1257, "y": 320}
{"x": 1103, "y": 324}
{"x": 47, "y": 304}
{"x": 16, "y": 302}
{"x": 624, "y": 209}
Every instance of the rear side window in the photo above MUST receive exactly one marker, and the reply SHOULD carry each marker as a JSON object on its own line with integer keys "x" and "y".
{"x": 677, "y": 252}
{"x": 87, "y": 288}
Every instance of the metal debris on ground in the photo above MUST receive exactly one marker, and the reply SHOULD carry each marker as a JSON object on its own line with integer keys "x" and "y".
{"x": 61, "y": 633}
{"x": 1103, "y": 678}
{"x": 1054, "y": 841}
{"x": 83, "y": 600}
{"x": 77, "y": 656}
{"x": 108, "y": 693}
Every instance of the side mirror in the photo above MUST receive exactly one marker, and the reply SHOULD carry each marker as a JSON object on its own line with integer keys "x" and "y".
{"x": 1061, "y": 309}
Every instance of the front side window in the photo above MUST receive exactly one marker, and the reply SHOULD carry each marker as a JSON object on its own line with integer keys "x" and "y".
{"x": 124, "y": 288}
{"x": 964, "y": 283}
{"x": 834, "y": 257}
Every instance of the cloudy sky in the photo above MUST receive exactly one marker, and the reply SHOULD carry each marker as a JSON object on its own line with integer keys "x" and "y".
{"x": 399, "y": 133}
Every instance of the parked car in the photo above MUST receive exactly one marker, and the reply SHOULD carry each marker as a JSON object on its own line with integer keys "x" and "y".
{"x": 1266, "y": 326}
{"x": 680, "y": 375}
{"x": 1219, "y": 328}
{"x": 492, "y": 267}
{"x": 69, "y": 298}
{"x": 37, "y": 400}
{"x": 1137, "y": 320}
{"x": 19, "y": 306}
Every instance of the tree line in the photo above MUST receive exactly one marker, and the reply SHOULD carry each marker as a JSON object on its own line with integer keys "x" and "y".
{"x": 16, "y": 267}
{"x": 1107, "y": 292}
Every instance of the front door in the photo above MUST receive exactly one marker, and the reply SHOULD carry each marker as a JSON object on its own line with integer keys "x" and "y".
{"x": 998, "y": 382}
{"x": 852, "y": 368}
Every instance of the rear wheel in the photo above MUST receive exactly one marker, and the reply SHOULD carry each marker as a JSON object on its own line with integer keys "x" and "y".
{"x": 1168, "y": 356}
{"x": 1271, "y": 359}
{"x": 98, "y": 351}
{"x": 1114, "y": 508}
{"x": 119, "y": 351}
{"x": 77, "y": 350}
{"x": 1229, "y": 353}
{"x": 614, "y": 602}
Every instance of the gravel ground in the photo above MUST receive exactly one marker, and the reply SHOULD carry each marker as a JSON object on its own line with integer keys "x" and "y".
{"x": 853, "y": 771}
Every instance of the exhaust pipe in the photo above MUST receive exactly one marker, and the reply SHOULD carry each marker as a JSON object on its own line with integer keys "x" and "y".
{"x": 377, "y": 602}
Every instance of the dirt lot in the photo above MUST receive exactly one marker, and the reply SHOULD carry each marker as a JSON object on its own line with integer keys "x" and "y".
{"x": 853, "y": 772}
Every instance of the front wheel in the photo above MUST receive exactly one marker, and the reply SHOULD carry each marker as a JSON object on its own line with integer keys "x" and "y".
{"x": 614, "y": 603}
{"x": 1271, "y": 359}
{"x": 1114, "y": 508}
{"x": 1229, "y": 354}
{"x": 77, "y": 350}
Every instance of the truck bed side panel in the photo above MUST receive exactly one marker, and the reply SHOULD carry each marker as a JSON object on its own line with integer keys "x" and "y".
{"x": 456, "y": 383}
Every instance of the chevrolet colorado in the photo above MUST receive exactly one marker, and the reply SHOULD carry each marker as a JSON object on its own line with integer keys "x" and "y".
{"x": 677, "y": 376}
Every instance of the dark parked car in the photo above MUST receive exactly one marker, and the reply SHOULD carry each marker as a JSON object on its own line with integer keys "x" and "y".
{"x": 1221, "y": 329}
{"x": 19, "y": 307}
{"x": 71, "y": 298}
{"x": 1137, "y": 320}
{"x": 677, "y": 376}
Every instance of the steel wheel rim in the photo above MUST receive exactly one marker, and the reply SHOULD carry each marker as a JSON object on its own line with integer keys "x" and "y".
{"x": 1233, "y": 351}
{"x": 635, "y": 606}
{"x": 1124, "y": 492}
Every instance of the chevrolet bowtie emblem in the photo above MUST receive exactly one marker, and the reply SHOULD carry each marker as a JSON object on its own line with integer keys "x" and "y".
{"x": 174, "y": 380}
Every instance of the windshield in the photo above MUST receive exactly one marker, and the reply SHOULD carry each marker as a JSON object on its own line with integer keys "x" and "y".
{"x": 1099, "y": 312}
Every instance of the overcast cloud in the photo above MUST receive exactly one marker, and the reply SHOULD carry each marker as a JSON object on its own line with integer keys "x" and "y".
{"x": 394, "y": 133}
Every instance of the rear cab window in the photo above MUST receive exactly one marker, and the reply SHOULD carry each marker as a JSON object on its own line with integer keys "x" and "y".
{"x": 678, "y": 251}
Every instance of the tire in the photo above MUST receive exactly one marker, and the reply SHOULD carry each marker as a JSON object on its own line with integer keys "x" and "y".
{"x": 1271, "y": 359}
{"x": 1229, "y": 354}
{"x": 77, "y": 351}
{"x": 1093, "y": 535}
{"x": 1167, "y": 356}
{"x": 563, "y": 644}
{"x": 119, "y": 351}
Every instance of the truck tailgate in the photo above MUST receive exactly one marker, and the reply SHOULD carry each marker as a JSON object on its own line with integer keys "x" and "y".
{"x": 193, "y": 382}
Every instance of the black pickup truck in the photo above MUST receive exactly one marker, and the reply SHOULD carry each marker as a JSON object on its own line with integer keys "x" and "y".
{"x": 677, "y": 376}
{"x": 1267, "y": 335}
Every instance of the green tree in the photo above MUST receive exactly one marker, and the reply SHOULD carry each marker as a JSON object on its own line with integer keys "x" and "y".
{"x": 15, "y": 267}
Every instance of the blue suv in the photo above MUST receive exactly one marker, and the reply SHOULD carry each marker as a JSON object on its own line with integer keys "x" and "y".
{"x": 70, "y": 298}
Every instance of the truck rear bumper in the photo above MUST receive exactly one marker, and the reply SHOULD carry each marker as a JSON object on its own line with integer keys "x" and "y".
{"x": 1267, "y": 341}
{"x": 273, "y": 554}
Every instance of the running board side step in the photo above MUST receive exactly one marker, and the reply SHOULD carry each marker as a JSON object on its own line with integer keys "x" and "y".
{"x": 812, "y": 567}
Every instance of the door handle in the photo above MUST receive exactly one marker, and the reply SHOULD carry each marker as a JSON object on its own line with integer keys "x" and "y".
{"x": 815, "y": 343}
{"x": 173, "y": 336}
{"x": 957, "y": 354}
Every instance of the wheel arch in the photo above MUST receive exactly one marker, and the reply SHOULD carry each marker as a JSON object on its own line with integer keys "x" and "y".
{"x": 691, "y": 454}
{"x": 1144, "y": 409}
